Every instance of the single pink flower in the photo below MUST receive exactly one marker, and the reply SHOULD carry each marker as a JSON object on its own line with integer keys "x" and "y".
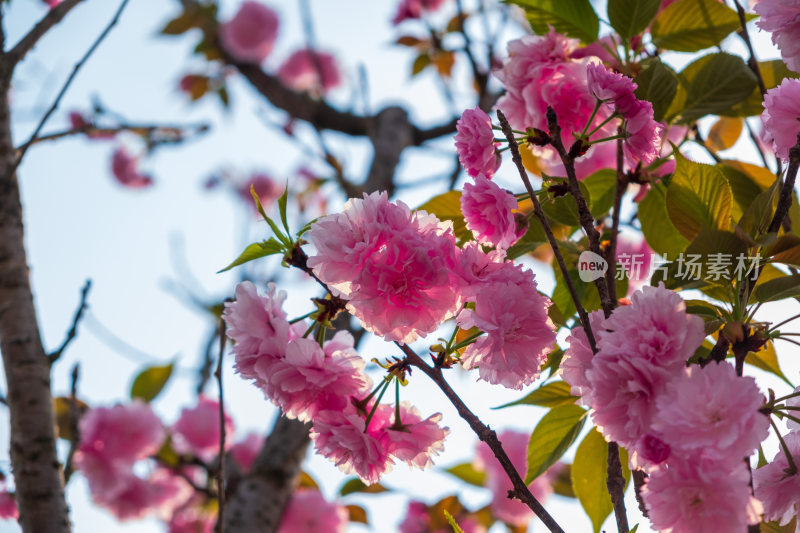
{"x": 192, "y": 519}
{"x": 578, "y": 357}
{"x": 123, "y": 167}
{"x": 700, "y": 495}
{"x": 246, "y": 450}
{"x": 258, "y": 327}
{"x": 197, "y": 431}
{"x": 475, "y": 267}
{"x": 506, "y": 509}
{"x": 413, "y": 9}
{"x": 712, "y": 409}
{"x": 301, "y": 71}
{"x": 519, "y": 333}
{"x": 782, "y": 18}
{"x": 251, "y": 33}
{"x": 475, "y": 143}
{"x": 340, "y": 436}
{"x": 308, "y": 511}
{"x": 781, "y": 116}
{"x": 394, "y": 265}
{"x": 777, "y": 490}
{"x": 636, "y": 257}
{"x": 112, "y": 440}
{"x": 617, "y": 91}
{"x": 417, "y": 439}
{"x": 309, "y": 379}
{"x": 489, "y": 213}
{"x": 159, "y": 494}
{"x": 649, "y": 451}
{"x": 8, "y": 504}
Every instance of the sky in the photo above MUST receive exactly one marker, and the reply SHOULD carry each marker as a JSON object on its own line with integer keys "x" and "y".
{"x": 145, "y": 250}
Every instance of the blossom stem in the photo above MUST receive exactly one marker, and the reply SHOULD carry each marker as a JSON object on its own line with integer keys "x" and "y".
{"x": 309, "y": 330}
{"x": 466, "y": 342}
{"x": 776, "y": 326}
{"x": 487, "y": 435}
{"x": 298, "y": 319}
{"x": 385, "y": 385}
{"x": 787, "y": 397}
{"x": 612, "y": 138}
{"x": 606, "y": 121}
{"x": 597, "y": 105}
{"x": 397, "y": 423}
{"x": 792, "y": 466}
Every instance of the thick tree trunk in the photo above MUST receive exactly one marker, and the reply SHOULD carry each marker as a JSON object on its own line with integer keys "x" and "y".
{"x": 37, "y": 476}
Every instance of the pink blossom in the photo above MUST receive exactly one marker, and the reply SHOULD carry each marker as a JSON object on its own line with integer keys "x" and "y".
{"x": 600, "y": 49}
{"x": 777, "y": 490}
{"x": 714, "y": 410}
{"x": 160, "y": 494}
{"x": 538, "y": 74}
{"x": 417, "y": 439}
{"x": 655, "y": 327}
{"x": 251, "y": 33}
{"x": 192, "y": 519}
{"x": 506, "y": 509}
{"x": 123, "y": 167}
{"x": 475, "y": 143}
{"x": 637, "y": 258}
{"x": 644, "y": 133}
{"x": 475, "y": 267}
{"x": 651, "y": 450}
{"x": 340, "y": 436}
{"x": 8, "y": 504}
{"x": 519, "y": 333}
{"x": 258, "y": 326}
{"x": 781, "y": 116}
{"x": 266, "y": 188}
{"x": 578, "y": 357}
{"x": 246, "y": 450}
{"x": 782, "y": 18}
{"x": 698, "y": 495}
{"x": 197, "y": 431}
{"x": 309, "y": 379}
{"x": 413, "y": 9}
{"x": 113, "y": 439}
{"x": 394, "y": 265}
{"x": 77, "y": 121}
{"x": 301, "y": 71}
{"x": 308, "y": 511}
{"x": 489, "y": 213}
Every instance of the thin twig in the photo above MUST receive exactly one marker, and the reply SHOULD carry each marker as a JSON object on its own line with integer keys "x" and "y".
{"x": 619, "y": 191}
{"x": 168, "y": 134}
{"x": 752, "y": 62}
{"x": 584, "y": 214}
{"x": 74, "y": 429}
{"x": 62, "y": 92}
{"x": 487, "y": 435}
{"x": 537, "y": 209}
{"x": 73, "y": 330}
{"x": 221, "y": 459}
{"x": 53, "y": 17}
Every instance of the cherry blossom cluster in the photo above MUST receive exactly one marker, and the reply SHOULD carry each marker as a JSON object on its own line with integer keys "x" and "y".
{"x": 689, "y": 427}
{"x": 782, "y": 19}
{"x": 777, "y": 484}
{"x": 250, "y": 36}
{"x": 117, "y": 445}
{"x": 326, "y": 385}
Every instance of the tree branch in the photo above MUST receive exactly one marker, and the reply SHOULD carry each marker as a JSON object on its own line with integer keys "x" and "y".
{"x": 220, "y": 528}
{"x": 53, "y": 17}
{"x": 76, "y": 68}
{"x": 73, "y": 330}
{"x": 487, "y": 435}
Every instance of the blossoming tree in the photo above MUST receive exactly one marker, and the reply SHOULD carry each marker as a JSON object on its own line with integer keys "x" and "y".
{"x": 598, "y": 134}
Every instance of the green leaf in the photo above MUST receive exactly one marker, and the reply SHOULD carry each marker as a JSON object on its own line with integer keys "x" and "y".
{"x": 634, "y": 529}
{"x": 722, "y": 81}
{"x": 589, "y": 475}
{"x": 180, "y": 24}
{"x": 587, "y": 292}
{"x": 658, "y": 85}
{"x": 150, "y": 382}
{"x": 743, "y": 187}
{"x": 452, "y": 522}
{"x": 533, "y": 238}
{"x": 260, "y": 208}
{"x": 447, "y": 206}
{"x": 549, "y": 395}
{"x": 758, "y": 215}
{"x": 562, "y": 484}
{"x": 698, "y": 197}
{"x": 256, "y": 251}
{"x": 775, "y": 527}
{"x": 659, "y": 232}
{"x": 354, "y": 485}
{"x": 282, "y": 208}
{"x": 767, "y": 360}
{"x": 724, "y": 133}
{"x": 602, "y": 187}
{"x": 467, "y": 473}
{"x": 692, "y": 25}
{"x": 785, "y": 250}
{"x": 575, "y": 18}
{"x": 778, "y": 289}
{"x": 554, "y": 433}
{"x": 420, "y": 63}
{"x": 564, "y": 209}
{"x": 718, "y": 251}
{"x": 631, "y": 17}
